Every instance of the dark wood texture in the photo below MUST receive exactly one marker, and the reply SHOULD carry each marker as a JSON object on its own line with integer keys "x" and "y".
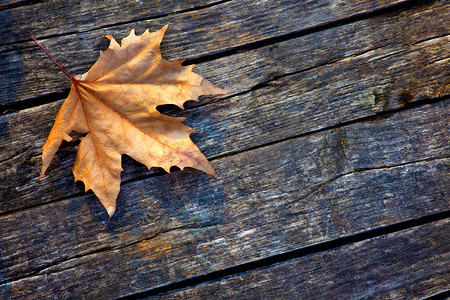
{"x": 394, "y": 266}
{"x": 192, "y": 34}
{"x": 335, "y": 131}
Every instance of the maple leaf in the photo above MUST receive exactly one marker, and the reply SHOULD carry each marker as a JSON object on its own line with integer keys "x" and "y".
{"x": 114, "y": 105}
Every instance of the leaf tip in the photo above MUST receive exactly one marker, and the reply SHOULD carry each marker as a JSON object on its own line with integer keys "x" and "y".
{"x": 207, "y": 168}
{"x": 223, "y": 92}
{"x": 43, "y": 169}
{"x": 110, "y": 209}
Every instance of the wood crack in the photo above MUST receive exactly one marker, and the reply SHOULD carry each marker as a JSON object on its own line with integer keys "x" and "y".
{"x": 395, "y": 9}
{"x": 373, "y": 117}
{"x": 331, "y": 147}
{"x": 92, "y": 29}
{"x": 20, "y": 4}
{"x": 361, "y": 170}
{"x": 36, "y": 101}
{"x": 63, "y": 265}
{"x": 297, "y": 253}
{"x": 54, "y": 266}
{"x": 49, "y": 98}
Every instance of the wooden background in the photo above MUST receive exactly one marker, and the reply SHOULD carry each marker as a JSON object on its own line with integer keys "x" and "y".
{"x": 331, "y": 152}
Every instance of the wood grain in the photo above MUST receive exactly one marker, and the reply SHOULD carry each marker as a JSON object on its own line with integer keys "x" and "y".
{"x": 336, "y": 127}
{"x": 413, "y": 263}
{"x": 79, "y": 16}
{"x": 217, "y": 235}
{"x": 325, "y": 96}
{"x": 76, "y": 16}
{"x": 7, "y": 4}
{"x": 316, "y": 188}
{"x": 26, "y": 69}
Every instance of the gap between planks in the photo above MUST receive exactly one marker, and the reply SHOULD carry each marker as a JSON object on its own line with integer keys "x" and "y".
{"x": 156, "y": 17}
{"x": 259, "y": 263}
{"x": 270, "y": 260}
{"x": 245, "y": 269}
{"x": 395, "y": 9}
{"x": 377, "y": 116}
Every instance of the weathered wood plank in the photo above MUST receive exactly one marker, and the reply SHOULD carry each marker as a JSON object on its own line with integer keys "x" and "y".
{"x": 411, "y": 264}
{"x": 26, "y": 71}
{"x": 266, "y": 200}
{"x": 346, "y": 90}
{"x": 210, "y": 234}
{"x": 245, "y": 70}
{"x": 80, "y": 16}
{"x": 263, "y": 64}
{"x": 7, "y": 4}
{"x": 316, "y": 188}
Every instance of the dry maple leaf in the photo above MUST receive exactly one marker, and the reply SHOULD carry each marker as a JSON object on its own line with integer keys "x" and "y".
{"x": 114, "y": 105}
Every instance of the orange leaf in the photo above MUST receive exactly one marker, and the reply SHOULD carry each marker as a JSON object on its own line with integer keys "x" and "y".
{"x": 114, "y": 104}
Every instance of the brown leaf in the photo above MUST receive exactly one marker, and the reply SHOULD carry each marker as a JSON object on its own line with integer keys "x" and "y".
{"x": 114, "y": 104}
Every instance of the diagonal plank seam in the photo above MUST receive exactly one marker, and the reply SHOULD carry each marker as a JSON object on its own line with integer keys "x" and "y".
{"x": 368, "y": 118}
{"x": 376, "y": 116}
{"x": 35, "y": 101}
{"x": 53, "y": 97}
{"x": 131, "y": 22}
{"x": 293, "y": 254}
{"x": 20, "y": 4}
{"x": 383, "y": 114}
{"x": 47, "y": 270}
{"x": 41, "y": 270}
{"x": 394, "y": 9}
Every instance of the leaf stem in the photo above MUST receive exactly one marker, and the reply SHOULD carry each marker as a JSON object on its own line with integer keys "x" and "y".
{"x": 48, "y": 54}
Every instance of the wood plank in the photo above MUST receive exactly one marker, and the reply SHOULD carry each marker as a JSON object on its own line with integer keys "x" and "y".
{"x": 361, "y": 33}
{"x": 69, "y": 17}
{"x": 304, "y": 149}
{"x": 211, "y": 239}
{"x": 245, "y": 70}
{"x": 318, "y": 187}
{"x": 307, "y": 101}
{"x": 315, "y": 188}
{"x": 413, "y": 263}
{"x": 26, "y": 70}
{"x": 7, "y": 4}
{"x": 80, "y": 16}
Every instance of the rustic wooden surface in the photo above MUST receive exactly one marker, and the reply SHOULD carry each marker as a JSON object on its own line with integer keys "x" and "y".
{"x": 331, "y": 152}
{"x": 390, "y": 266}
